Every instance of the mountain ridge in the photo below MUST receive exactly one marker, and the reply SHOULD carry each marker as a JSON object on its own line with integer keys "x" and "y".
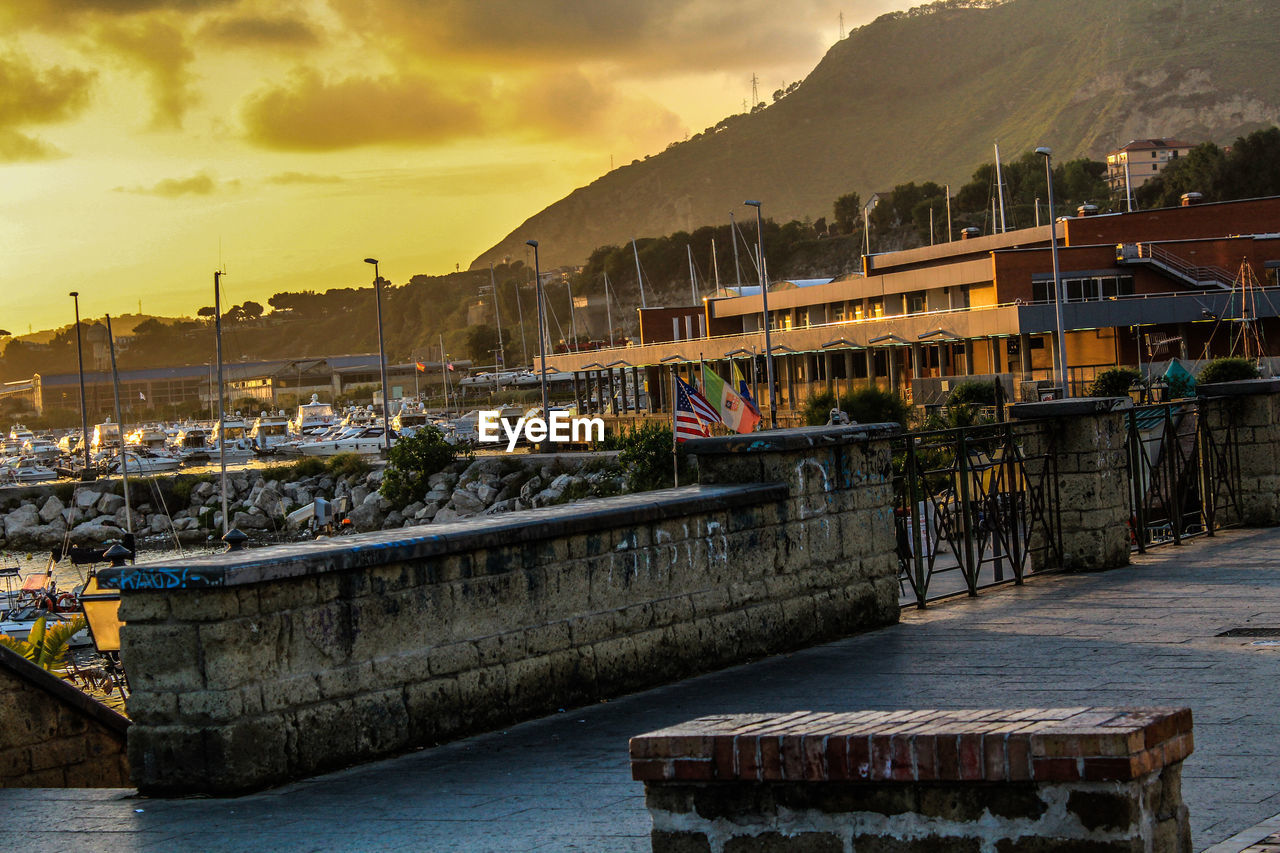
{"x": 922, "y": 96}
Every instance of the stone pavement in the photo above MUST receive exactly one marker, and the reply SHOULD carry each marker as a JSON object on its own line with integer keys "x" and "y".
{"x": 1145, "y": 635}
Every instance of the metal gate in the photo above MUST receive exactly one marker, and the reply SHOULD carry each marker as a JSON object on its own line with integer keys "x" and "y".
{"x": 1184, "y": 476}
{"x": 979, "y": 502}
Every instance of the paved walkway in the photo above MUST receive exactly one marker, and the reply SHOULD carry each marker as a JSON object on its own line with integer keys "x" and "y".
{"x": 1138, "y": 636}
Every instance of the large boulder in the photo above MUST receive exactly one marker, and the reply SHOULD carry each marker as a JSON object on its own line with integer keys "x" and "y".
{"x": 51, "y": 509}
{"x": 99, "y": 531}
{"x": 109, "y": 503}
{"x": 18, "y": 522}
{"x": 366, "y": 517}
{"x": 269, "y": 500}
{"x": 531, "y": 488}
{"x": 85, "y": 499}
{"x": 249, "y": 521}
{"x": 465, "y": 502}
{"x": 203, "y": 490}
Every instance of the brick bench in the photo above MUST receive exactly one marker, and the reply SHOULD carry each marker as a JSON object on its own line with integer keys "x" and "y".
{"x": 1084, "y": 780}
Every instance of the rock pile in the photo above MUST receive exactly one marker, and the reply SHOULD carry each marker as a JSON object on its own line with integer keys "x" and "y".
{"x": 258, "y": 502}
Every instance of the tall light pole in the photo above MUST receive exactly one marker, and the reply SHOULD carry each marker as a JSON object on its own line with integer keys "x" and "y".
{"x": 764, "y": 303}
{"x": 1047, "y": 154}
{"x": 542, "y": 338}
{"x": 84, "y": 414}
{"x": 382, "y": 357}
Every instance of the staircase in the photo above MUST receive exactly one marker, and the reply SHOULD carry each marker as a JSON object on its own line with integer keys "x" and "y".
{"x": 1169, "y": 264}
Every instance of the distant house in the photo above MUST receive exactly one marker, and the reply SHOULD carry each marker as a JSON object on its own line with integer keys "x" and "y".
{"x": 1145, "y": 158}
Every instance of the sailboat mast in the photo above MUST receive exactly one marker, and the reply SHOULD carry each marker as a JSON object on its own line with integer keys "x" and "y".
{"x": 444, "y": 374}
{"x": 222, "y": 422}
{"x": 639, "y": 275}
{"x": 715, "y": 267}
{"x": 608, "y": 311}
{"x": 124, "y": 458}
{"x": 1000, "y": 189}
{"x": 500, "y": 361}
{"x": 733, "y": 238}
{"x": 573, "y": 317}
{"x": 693, "y": 278}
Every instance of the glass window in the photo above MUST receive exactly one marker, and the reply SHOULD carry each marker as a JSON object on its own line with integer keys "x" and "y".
{"x": 859, "y": 311}
{"x": 877, "y": 307}
{"x": 915, "y": 302}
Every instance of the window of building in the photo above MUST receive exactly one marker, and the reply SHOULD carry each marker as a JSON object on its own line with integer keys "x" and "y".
{"x": 1077, "y": 289}
{"x": 877, "y": 307}
{"x": 859, "y": 311}
{"x": 916, "y": 302}
{"x": 840, "y": 313}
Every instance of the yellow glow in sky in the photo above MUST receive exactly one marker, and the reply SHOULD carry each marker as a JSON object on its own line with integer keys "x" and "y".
{"x": 143, "y": 142}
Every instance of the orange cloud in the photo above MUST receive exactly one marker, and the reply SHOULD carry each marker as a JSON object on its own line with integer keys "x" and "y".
{"x": 160, "y": 49}
{"x": 315, "y": 114}
{"x": 29, "y": 95}
{"x": 198, "y": 184}
{"x": 262, "y": 31}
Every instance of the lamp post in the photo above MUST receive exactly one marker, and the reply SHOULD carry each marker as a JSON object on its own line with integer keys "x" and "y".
{"x": 542, "y": 337}
{"x": 382, "y": 357}
{"x": 84, "y": 415}
{"x": 1047, "y": 154}
{"x": 764, "y": 303}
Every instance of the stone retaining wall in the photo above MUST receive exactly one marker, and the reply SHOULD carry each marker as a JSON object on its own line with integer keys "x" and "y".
{"x": 1073, "y": 780}
{"x": 1248, "y": 412}
{"x": 252, "y": 668}
{"x": 54, "y": 736}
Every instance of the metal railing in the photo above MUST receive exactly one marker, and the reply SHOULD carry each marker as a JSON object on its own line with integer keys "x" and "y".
{"x": 1196, "y": 274}
{"x": 1184, "y": 477}
{"x": 975, "y": 503}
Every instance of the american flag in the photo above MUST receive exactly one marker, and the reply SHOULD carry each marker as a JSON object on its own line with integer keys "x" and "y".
{"x": 693, "y": 414}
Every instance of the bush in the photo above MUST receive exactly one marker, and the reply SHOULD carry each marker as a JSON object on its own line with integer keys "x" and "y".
{"x": 875, "y": 406}
{"x": 411, "y": 462}
{"x": 865, "y": 405}
{"x": 645, "y": 455}
{"x": 973, "y": 393}
{"x": 817, "y": 409}
{"x": 1114, "y": 382}
{"x": 347, "y": 465}
{"x": 1227, "y": 370}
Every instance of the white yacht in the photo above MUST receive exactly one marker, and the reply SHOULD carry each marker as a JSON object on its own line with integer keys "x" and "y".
{"x": 365, "y": 440}
{"x": 233, "y": 433}
{"x": 41, "y": 449}
{"x": 20, "y": 470}
{"x": 311, "y": 417}
{"x": 151, "y": 436}
{"x": 20, "y": 434}
{"x": 269, "y": 432}
{"x": 106, "y": 435}
{"x": 411, "y": 417}
{"x": 191, "y": 444}
{"x": 144, "y": 462}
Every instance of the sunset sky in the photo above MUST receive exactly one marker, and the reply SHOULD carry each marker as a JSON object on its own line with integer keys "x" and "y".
{"x": 143, "y": 140}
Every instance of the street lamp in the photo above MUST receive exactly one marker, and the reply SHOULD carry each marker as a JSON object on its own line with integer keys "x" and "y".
{"x": 542, "y": 337}
{"x": 382, "y": 356}
{"x": 1047, "y": 154}
{"x": 764, "y": 303}
{"x": 84, "y": 415}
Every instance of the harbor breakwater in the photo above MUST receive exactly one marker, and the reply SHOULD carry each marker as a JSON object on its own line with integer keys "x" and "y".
{"x": 188, "y": 507}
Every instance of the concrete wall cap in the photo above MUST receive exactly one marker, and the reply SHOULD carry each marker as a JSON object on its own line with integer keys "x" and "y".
{"x": 1073, "y": 407}
{"x": 1239, "y": 388}
{"x": 321, "y": 556}
{"x": 798, "y": 438}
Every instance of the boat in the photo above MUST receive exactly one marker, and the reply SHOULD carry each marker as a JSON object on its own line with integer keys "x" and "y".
{"x": 191, "y": 445}
{"x": 24, "y": 469}
{"x": 232, "y": 433}
{"x": 312, "y": 417}
{"x": 141, "y": 461}
{"x": 20, "y": 434}
{"x": 366, "y": 440}
{"x": 269, "y": 433}
{"x": 37, "y": 595}
{"x": 151, "y": 436}
{"x": 106, "y": 435}
{"x": 411, "y": 418}
{"x": 41, "y": 449}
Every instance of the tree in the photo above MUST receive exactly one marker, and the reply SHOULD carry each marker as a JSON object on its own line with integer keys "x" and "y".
{"x": 252, "y": 310}
{"x": 207, "y": 311}
{"x": 410, "y": 463}
{"x": 481, "y": 341}
{"x": 847, "y": 212}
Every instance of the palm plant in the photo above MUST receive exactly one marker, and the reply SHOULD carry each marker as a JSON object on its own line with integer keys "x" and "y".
{"x": 46, "y": 647}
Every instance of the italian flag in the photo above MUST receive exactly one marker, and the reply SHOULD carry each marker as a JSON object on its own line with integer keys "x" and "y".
{"x": 736, "y": 413}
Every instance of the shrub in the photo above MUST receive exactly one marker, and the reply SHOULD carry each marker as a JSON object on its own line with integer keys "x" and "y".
{"x": 645, "y": 455}
{"x": 1114, "y": 382}
{"x": 1227, "y": 370}
{"x": 973, "y": 393}
{"x": 347, "y": 465}
{"x": 817, "y": 409}
{"x": 411, "y": 462}
{"x": 875, "y": 406}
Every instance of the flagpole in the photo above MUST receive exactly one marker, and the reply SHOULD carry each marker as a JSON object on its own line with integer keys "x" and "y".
{"x": 675, "y": 456}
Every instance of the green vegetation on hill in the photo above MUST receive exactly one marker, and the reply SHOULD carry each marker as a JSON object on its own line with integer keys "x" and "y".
{"x": 924, "y": 94}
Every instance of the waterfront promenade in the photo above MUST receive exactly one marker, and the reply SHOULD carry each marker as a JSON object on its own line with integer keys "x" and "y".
{"x": 1144, "y": 635}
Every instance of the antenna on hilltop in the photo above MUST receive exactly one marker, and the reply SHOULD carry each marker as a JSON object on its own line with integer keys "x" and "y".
{"x": 842, "y": 26}
{"x": 755, "y": 94}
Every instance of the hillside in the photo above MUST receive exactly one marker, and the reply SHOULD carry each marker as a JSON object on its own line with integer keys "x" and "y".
{"x": 922, "y": 96}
